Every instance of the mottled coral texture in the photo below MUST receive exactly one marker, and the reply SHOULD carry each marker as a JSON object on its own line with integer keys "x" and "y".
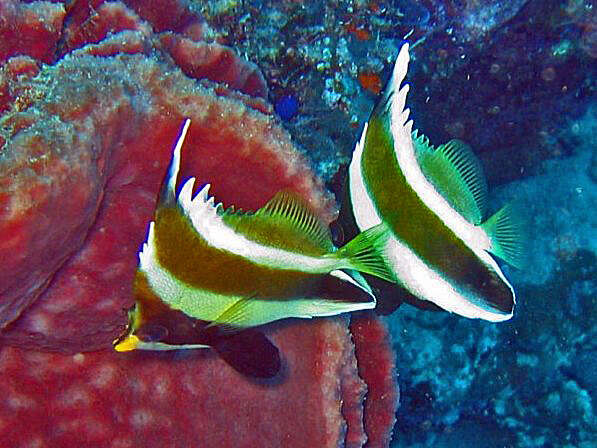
{"x": 85, "y": 144}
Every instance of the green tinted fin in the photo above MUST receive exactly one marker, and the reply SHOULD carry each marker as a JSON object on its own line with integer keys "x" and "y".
{"x": 421, "y": 143}
{"x": 365, "y": 252}
{"x": 286, "y": 222}
{"x": 457, "y": 173}
{"x": 234, "y": 318}
{"x": 506, "y": 230}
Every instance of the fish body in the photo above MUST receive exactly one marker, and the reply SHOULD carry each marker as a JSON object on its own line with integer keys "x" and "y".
{"x": 207, "y": 275}
{"x": 431, "y": 202}
{"x": 154, "y": 325}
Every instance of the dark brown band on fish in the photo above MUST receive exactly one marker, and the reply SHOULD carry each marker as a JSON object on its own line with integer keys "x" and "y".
{"x": 413, "y": 222}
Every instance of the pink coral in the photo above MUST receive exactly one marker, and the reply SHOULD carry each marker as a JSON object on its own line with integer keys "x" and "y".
{"x": 31, "y": 29}
{"x": 85, "y": 145}
{"x": 183, "y": 399}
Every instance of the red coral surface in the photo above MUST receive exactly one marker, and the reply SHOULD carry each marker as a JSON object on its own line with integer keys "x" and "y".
{"x": 90, "y": 27}
{"x": 376, "y": 368}
{"x": 178, "y": 399}
{"x": 212, "y": 61}
{"x": 85, "y": 144}
{"x": 30, "y": 29}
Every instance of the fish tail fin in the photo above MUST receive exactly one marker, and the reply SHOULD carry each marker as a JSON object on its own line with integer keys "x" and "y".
{"x": 507, "y": 231}
{"x": 365, "y": 253}
{"x": 168, "y": 192}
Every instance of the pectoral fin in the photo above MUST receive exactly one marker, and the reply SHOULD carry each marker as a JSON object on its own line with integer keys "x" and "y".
{"x": 234, "y": 318}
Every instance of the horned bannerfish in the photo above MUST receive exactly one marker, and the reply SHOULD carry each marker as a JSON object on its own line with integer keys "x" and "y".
{"x": 431, "y": 202}
{"x": 208, "y": 275}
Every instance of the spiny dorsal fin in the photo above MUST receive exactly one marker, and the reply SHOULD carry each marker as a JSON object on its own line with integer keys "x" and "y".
{"x": 201, "y": 209}
{"x": 457, "y": 173}
{"x": 285, "y": 222}
{"x": 507, "y": 231}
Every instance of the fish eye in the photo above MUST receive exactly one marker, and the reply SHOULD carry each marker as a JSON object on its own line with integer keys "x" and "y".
{"x": 152, "y": 333}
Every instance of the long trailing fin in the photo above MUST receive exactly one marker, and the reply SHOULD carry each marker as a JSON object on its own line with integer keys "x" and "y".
{"x": 382, "y": 107}
{"x": 400, "y": 125}
{"x": 286, "y": 222}
{"x": 507, "y": 231}
{"x": 365, "y": 253}
{"x": 168, "y": 193}
{"x": 457, "y": 173}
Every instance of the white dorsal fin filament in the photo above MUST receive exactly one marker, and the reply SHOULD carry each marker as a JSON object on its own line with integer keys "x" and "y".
{"x": 401, "y": 129}
{"x": 175, "y": 162}
{"x": 208, "y": 223}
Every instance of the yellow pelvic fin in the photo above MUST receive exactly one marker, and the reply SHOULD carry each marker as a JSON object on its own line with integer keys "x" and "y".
{"x": 130, "y": 342}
